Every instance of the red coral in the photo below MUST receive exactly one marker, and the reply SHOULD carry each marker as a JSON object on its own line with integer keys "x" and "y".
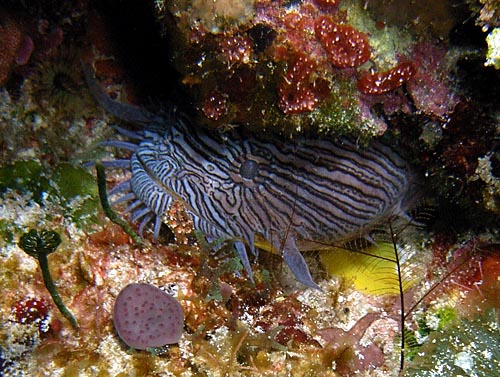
{"x": 31, "y": 310}
{"x": 35, "y": 311}
{"x": 297, "y": 92}
{"x": 12, "y": 39}
{"x": 294, "y": 28}
{"x": 327, "y": 5}
{"x": 236, "y": 49}
{"x": 215, "y": 105}
{"x": 296, "y": 23}
{"x": 346, "y": 47}
{"x": 382, "y": 82}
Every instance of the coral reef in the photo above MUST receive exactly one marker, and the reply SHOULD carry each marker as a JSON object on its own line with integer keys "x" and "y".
{"x": 56, "y": 86}
{"x": 416, "y": 78}
{"x": 53, "y": 186}
{"x": 431, "y": 90}
{"x": 290, "y": 59}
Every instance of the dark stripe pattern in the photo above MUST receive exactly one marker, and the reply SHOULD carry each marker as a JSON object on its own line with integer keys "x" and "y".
{"x": 285, "y": 190}
{"x": 302, "y": 189}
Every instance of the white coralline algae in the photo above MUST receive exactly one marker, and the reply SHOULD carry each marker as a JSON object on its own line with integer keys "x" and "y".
{"x": 493, "y": 54}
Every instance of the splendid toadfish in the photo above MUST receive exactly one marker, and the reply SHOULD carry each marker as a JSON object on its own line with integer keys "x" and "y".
{"x": 289, "y": 192}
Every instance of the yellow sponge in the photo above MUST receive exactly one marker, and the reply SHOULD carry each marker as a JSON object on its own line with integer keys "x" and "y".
{"x": 373, "y": 270}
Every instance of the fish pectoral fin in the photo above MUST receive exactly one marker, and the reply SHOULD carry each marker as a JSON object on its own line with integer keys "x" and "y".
{"x": 242, "y": 253}
{"x": 297, "y": 264}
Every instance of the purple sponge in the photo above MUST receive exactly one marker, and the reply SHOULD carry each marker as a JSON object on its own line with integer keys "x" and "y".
{"x": 146, "y": 317}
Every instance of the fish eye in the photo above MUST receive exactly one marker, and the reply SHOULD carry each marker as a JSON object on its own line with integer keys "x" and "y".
{"x": 249, "y": 169}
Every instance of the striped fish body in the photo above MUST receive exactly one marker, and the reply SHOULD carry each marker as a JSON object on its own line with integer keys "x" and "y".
{"x": 287, "y": 192}
{"x": 284, "y": 191}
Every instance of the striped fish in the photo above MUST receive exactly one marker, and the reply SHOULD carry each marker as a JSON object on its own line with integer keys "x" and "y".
{"x": 288, "y": 192}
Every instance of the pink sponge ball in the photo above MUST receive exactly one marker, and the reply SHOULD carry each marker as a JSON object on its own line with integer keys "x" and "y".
{"x": 146, "y": 317}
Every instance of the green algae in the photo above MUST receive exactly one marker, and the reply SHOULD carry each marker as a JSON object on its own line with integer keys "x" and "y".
{"x": 7, "y": 231}
{"x": 73, "y": 181}
{"x": 339, "y": 114}
{"x": 25, "y": 177}
{"x": 39, "y": 245}
{"x": 112, "y": 215}
{"x": 446, "y": 316}
{"x": 230, "y": 265}
{"x": 72, "y": 188}
{"x": 427, "y": 325}
{"x": 467, "y": 347}
{"x": 77, "y": 191}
